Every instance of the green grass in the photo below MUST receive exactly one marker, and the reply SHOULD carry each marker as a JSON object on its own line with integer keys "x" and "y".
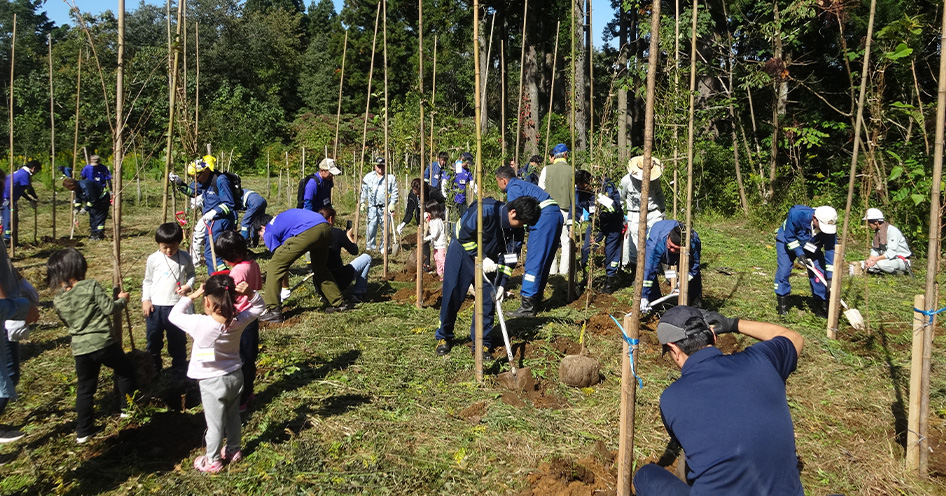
{"x": 359, "y": 402}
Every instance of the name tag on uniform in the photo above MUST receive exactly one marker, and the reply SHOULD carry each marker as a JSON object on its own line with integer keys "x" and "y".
{"x": 203, "y": 354}
{"x": 510, "y": 258}
{"x": 670, "y": 274}
{"x": 810, "y": 247}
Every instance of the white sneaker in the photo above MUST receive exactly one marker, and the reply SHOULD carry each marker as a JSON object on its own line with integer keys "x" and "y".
{"x": 284, "y": 294}
{"x": 10, "y": 436}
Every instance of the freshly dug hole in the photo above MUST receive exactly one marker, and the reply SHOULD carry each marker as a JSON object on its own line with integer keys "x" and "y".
{"x": 579, "y": 371}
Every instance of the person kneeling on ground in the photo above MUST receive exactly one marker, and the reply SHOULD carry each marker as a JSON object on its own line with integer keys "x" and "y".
{"x": 889, "y": 252}
{"x": 289, "y": 235}
{"x": 499, "y": 256}
{"x": 355, "y": 272}
{"x": 663, "y": 250}
{"x": 728, "y": 412}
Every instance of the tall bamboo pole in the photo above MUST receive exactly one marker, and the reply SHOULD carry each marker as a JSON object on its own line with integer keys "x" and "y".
{"x": 12, "y": 227}
{"x": 548, "y": 125}
{"x": 932, "y": 265}
{"x": 683, "y": 270}
{"x": 628, "y": 384}
{"x": 483, "y": 97}
{"x": 478, "y": 270}
{"x": 341, "y": 84}
{"x": 172, "y": 105}
{"x": 522, "y": 73}
{"x": 364, "y": 131}
{"x": 118, "y": 154}
{"x": 75, "y": 147}
{"x": 591, "y": 89}
{"x": 571, "y": 228}
{"x": 833, "y": 309}
{"x": 52, "y": 129}
{"x": 676, "y": 87}
{"x": 386, "y": 238}
{"x": 197, "y": 81}
{"x": 421, "y": 218}
{"x": 433, "y": 103}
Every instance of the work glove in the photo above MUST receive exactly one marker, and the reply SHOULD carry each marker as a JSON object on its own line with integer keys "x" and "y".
{"x": 391, "y": 208}
{"x": 174, "y": 178}
{"x": 83, "y": 211}
{"x": 400, "y": 228}
{"x": 720, "y": 323}
{"x": 500, "y": 294}
{"x": 489, "y": 265}
{"x": 606, "y": 202}
{"x": 75, "y": 209}
{"x": 645, "y": 305}
{"x": 197, "y": 202}
{"x": 804, "y": 261}
{"x": 209, "y": 217}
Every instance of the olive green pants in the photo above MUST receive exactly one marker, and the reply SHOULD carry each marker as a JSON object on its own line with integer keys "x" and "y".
{"x": 316, "y": 241}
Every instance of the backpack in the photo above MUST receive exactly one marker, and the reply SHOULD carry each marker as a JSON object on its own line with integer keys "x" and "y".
{"x": 236, "y": 188}
{"x": 300, "y": 192}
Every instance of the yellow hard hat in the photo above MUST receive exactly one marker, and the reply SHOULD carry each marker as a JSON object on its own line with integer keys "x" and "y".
{"x": 211, "y": 162}
{"x": 196, "y": 167}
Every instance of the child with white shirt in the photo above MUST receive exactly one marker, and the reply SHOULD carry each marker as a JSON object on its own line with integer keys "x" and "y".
{"x": 169, "y": 274}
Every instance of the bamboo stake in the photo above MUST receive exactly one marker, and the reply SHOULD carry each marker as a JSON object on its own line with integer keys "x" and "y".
{"x": 197, "y": 82}
{"x": 386, "y": 239}
{"x": 628, "y": 404}
{"x": 118, "y": 153}
{"x": 626, "y": 449}
{"x": 288, "y": 181}
{"x": 684, "y": 269}
{"x": 483, "y": 97}
{"x": 570, "y": 291}
{"x": 502, "y": 96}
{"x": 172, "y": 96}
{"x": 303, "y": 162}
{"x": 364, "y": 132}
{"x": 422, "y": 201}
{"x": 591, "y": 88}
{"x": 75, "y": 148}
{"x": 341, "y": 84}
{"x": 833, "y": 308}
{"x": 915, "y": 409}
{"x": 433, "y": 103}
{"x": 676, "y": 86}
{"x": 522, "y": 73}
{"x": 52, "y": 134}
{"x": 548, "y": 124}
{"x": 11, "y": 206}
{"x": 268, "y": 181}
{"x": 932, "y": 264}
{"x": 478, "y": 270}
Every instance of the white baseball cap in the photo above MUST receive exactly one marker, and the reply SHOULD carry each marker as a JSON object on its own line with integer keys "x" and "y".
{"x": 827, "y": 219}
{"x": 873, "y": 214}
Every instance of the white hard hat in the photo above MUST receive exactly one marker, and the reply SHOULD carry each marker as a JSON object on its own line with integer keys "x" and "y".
{"x": 827, "y": 219}
{"x": 873, "y": 214}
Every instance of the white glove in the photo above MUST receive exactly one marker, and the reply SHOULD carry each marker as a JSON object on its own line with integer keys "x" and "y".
{"x": 399, "y": 228}
{"x": 606, "y": 202}
{"x": 209, "y": 217}
{"x": 391, "y": 208}
{"x": 645, "y": 305}
{"x": 489, "y": 265}
{"x": 500, "y": 294}
{"x": 197, "y": 202}
{"x": 284, "y": 294}
{"x": 174, "y": 178}
{"x": 83, "y": 211}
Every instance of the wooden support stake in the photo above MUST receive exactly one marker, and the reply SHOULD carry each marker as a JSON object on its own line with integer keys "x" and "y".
{"x": 172, "y": 105}
{"x": 118, "y": 154}
{"x": 548, "y": 124}
{"x": 52, "y": 132}
{"x": 478, "y": 270}
{"x": 422, "y": 196}
{"x": 75, "y": 147}
{"x": 628, "y": 405}
{"x": 433, "y": 106}
{"x": 364, "y": 131}
{"x": 386, "y": 224}
{"x": 341, "y": 84}
{"x": 915, "y": 410}
{"x": 12, "y": 218}
{"x": 684, "y": 269}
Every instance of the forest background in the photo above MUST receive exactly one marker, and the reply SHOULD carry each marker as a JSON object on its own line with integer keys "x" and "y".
{"x": 775, "y": 92}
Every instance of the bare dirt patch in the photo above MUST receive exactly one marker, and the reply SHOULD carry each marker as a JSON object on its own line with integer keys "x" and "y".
{"x": 593, "y": 474}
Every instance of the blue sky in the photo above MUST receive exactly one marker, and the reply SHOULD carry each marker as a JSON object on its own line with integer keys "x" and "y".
{"x": 58, "y": 10}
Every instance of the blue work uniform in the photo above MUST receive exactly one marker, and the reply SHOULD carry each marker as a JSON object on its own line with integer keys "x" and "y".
{"x": 433, "y": 174}
{"x": 610, "y": 224}
{"x": 460, "y": 182}
{"x": 527, "y": 173}
{"x": 543, "y": 237}
{"x": 217, "y": 195}
{"x": 22, "y": 185}
{"x": 255, "y": 207}
{"x": 95, "y": 199}
{"x": 657, "y": 253}
{"x": 99, "y": 174}
{"x": 795, "y": 239}
{"x": 499, "y": 244}
{"x": 318, "y": 193}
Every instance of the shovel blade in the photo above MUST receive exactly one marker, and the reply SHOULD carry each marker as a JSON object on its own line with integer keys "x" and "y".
{"x": 521, "y": 381}
{"x": 855, "y": 318}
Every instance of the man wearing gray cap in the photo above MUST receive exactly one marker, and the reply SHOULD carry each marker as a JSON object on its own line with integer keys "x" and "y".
{"x": 889, "y": 252}
{"x": 728, "y": 412}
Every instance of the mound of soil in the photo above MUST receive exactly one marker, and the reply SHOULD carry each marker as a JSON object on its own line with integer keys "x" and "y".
{"x": 473, "y": 413}
{"x": 560, "y": 476}
{"x": 537, "y": 393}
{"x": 603, "y": 301}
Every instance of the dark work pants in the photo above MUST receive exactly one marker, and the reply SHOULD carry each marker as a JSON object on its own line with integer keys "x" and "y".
{"x": 98, "y": 213}
{"x": 157, "y": 324}
{"x": 456, "y": 282}
{"x": 612, "y": 249}
{"x": 316, "y": 241}
{"x": 249, "y": 352}
{"x": 87, "y": 371}
{"x": 654, "y": 480}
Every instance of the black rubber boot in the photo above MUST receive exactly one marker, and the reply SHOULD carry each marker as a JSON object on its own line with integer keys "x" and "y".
{"x": 820, "y": 307}
{"x": 527, "y": 308}
{"x": 782, "y": 305}
{"x": 610, "y": 285}
{"x": 272, "y": 315}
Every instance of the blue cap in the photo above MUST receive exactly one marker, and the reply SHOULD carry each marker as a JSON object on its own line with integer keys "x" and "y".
{"x": 466, "y": 157}
{"x": 559, "y": 148}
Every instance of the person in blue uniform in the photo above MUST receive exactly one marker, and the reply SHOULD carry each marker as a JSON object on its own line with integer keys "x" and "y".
{"x": 543, "y": 239}
{"x": 93, "y": 199}
{"x": 499, "y": 245}
{"x": 458, "y": 183}
{"x": 663, "y": 250}
{"x": 605, "y": 220}
{"x": 729, "y": 413}
{"x": 218, "y": 203}
{"x": 254, "y": 208}
{"x": 529, "y": 172}
{"x": 22, "y": 186}
{"x": 98, "y": 173}
{"x": 434, "y": 173}
{"x": 318, "y": 189}
{"x": 809, "y": 235}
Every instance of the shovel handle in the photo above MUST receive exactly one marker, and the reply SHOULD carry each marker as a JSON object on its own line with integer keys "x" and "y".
{"x": 502, "y": 327}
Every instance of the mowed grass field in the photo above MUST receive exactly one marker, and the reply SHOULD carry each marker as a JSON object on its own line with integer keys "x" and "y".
{"x": 360, "y": 403}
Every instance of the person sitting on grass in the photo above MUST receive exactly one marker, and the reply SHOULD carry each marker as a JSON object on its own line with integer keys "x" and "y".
{"x": 87, "y": 309}
{"x": 232, "y": 248}
{"x": 215, "y": 362}
{"x": 169, "y": 274}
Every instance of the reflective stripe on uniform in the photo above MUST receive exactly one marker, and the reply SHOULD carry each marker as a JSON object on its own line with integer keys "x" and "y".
{"x": 793, "y": 244}
{"x": 648, "y": 284}
{"x": 469, "y": 245}
{"x": 505, "y": 270}
{"x": 547, "y": 203}
{"x": 829, "y": 268}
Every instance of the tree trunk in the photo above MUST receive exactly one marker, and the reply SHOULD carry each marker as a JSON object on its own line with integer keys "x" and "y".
{"x": 530, "y": 123}
{"x": 622, "y": 90}
{"x": 580, "y": 124}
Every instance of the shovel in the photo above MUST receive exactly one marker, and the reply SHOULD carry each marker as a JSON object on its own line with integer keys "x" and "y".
{"x": 853, "y": 315}
{"x": 519, "y": 379}
{"x": 673, "y": 294}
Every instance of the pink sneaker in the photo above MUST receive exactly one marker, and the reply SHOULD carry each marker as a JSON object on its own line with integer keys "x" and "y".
{"x": 203, "y": 464}
{"x": 231, "y": 456}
